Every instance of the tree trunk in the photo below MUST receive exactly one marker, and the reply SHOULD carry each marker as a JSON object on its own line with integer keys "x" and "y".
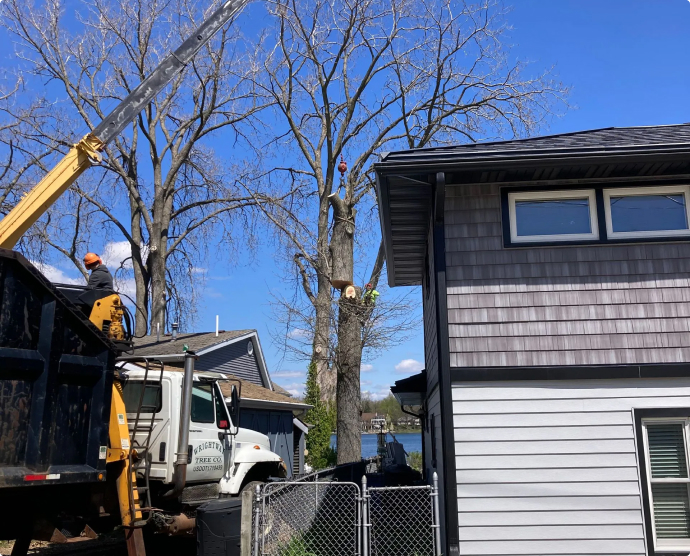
{"x": 141, "y": 276}
{"x": 349, "y": 350}
{"x": 349, "y": 357}
{"x": 158, "y": 292}
{"x": 325, "y": 378}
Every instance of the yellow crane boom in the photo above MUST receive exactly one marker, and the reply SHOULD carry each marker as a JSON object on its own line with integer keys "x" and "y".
{"x": 87, "y": 151}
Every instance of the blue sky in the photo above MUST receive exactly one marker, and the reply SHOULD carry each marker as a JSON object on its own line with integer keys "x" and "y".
{"x": 626, "y": 62}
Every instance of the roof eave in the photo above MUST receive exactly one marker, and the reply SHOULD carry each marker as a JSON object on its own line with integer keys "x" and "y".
{"x": 384, "y": 221}
{"x": 253, "y": 403}
{"x": 434, "y": 163}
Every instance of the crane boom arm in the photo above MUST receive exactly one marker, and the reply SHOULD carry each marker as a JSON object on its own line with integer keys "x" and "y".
{"x": 87, "y": 152}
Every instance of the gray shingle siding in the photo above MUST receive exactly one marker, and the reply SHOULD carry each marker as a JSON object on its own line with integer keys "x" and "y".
{"x": 566, "y": 305}
{"x": 232, "y": 359}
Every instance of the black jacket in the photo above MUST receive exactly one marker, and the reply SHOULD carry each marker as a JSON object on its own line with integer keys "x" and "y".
{"x": 100, "y": 279}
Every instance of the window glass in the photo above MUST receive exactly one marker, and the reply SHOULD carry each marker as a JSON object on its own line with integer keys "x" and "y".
{"x": 667, "y": 450}
{"x": 202, "y": 403}
{"x": 537, "y": 217}
{"x": 221, "y": 414}
{"x": 671, "y": 510}
{"x": 646, "y": 213}
{"x": 131, "y": 394}
{"x": 666, "y": 446}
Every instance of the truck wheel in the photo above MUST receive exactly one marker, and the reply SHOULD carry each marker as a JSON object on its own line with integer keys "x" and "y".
{"x": 251, "y": 486}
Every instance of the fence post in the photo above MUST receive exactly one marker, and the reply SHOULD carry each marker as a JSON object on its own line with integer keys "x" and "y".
{"x": 365, "y": 517}
{"x": 257, "y": 519}
{"x": 436, "y": 526}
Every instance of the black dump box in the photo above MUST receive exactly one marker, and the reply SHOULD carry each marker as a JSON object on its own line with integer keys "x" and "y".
{"x": 56, "y": 376}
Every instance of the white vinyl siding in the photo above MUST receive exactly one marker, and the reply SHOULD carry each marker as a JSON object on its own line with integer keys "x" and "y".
{"x": 551, "y": 467}
{"x": 667, "y": 465}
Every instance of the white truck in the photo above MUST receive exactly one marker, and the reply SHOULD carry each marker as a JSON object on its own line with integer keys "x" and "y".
{"x": 216, "y": 458}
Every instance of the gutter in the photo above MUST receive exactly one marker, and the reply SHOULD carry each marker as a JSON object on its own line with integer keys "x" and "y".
{"x": 449, "y": 160}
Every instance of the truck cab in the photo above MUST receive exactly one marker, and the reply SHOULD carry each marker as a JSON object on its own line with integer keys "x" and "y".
{"x": 222, "y": 458}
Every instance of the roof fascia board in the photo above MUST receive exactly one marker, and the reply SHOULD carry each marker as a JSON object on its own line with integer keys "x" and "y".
{"x": 450, "y": 162}
{"x": 300, "y": 425}
{"x": 254, "y": 337}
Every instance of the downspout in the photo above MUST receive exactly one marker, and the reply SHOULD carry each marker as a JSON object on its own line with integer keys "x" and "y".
{"x": 181, "y": 460}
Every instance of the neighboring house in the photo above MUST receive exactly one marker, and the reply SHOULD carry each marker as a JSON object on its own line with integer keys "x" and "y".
{"x": 373, "y": 422}
{"x": 555, "y": 277}
{"x": 237, "y": 352}
{"x": 265, "y": 407}
{"x": 407, "y": 421}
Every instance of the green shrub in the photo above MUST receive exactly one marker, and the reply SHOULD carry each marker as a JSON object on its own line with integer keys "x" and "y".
{"x": 414, "y": 460}
{"x": 322, "y": 417}
{"x": 296, "y": 546}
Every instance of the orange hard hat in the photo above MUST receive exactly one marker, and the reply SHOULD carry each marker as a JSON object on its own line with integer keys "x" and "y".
{"x": 91, "y": 258}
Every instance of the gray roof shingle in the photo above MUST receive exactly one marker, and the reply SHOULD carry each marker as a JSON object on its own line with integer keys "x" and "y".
{"x": 197, "y": 341}
{"x": 609, "y": 140}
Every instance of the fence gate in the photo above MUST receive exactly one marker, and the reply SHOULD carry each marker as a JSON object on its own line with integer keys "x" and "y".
{"x": 400, "y": 521}
{"x": 308, "y": 519}
{"x": 334, "y": 519}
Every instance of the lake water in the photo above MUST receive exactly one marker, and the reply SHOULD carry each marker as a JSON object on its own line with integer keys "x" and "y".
{"x": 411, "y": 441}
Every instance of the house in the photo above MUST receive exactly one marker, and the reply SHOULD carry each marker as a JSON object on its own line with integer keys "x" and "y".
{"x": 265, "y": 407}
{"x": 555, "y": 276}
{"x": 373, "y": 422}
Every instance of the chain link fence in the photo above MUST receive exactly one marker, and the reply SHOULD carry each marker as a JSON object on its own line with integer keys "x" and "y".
{"x": 400, "y": 521}
{"x": 309, "y": 519}
{"x": 332, "y": 518}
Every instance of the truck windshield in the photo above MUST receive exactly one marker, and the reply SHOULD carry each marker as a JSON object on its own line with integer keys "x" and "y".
{"x": 131, "y": 393}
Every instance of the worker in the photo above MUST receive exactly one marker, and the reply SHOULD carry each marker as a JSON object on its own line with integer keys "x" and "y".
{"x": 100, "y": 278}
{"x": 370, "y": 295}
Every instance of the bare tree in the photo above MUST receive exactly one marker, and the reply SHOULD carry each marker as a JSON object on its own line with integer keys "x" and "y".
{"x": 162, "y": 187}
{"x": 354, "y": 78}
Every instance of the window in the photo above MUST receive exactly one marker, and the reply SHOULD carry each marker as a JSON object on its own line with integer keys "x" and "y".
{"x": 647, "y": 212}
{"x": 202, "y": 403}
{"x": 131, "y": 395}
{"x": 547, "y": 216}
{"x": 666, "y": 456}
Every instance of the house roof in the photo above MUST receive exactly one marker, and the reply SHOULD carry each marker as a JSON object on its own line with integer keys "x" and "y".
{"x": 200, "y": 343}
{"x": 254, "y": 396}
{"x": 605, "y": 141}
{"x": 197, "y": 342}
{"x": 407, "y": 180}
{"x": 251, "y": 395}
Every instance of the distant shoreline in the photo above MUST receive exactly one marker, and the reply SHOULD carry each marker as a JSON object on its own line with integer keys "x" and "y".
{"x": 411, "y": 431}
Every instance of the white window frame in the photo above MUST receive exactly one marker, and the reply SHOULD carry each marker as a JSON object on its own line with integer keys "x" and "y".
{"x": 666, "y": 545}
{"x": 633, "y": 191}
{"x": 589, "y": 194}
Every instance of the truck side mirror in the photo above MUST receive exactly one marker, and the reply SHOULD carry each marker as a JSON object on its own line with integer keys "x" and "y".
{"x": 234, "y": 406}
